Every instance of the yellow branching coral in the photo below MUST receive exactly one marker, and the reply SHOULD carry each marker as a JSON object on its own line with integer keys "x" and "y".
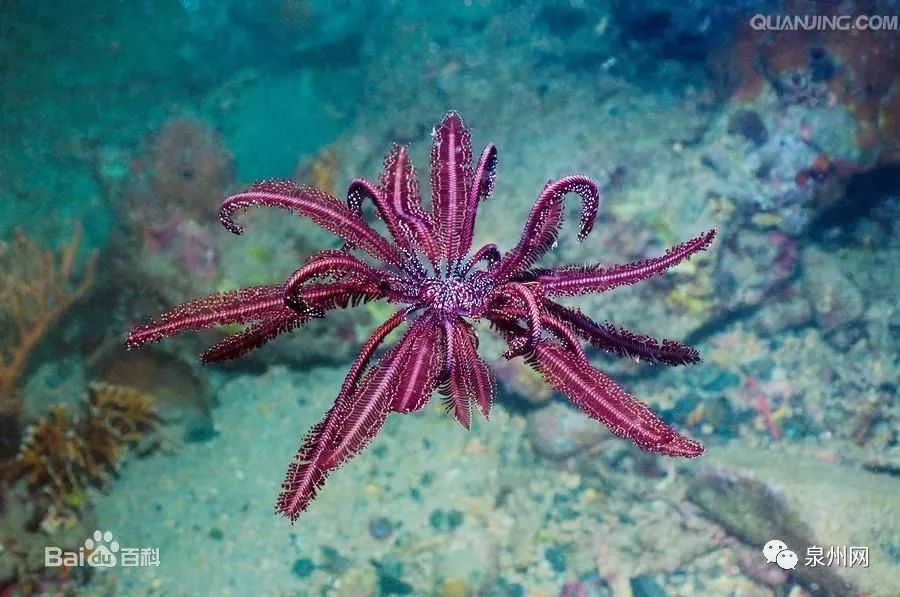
{"x": 37, "y": 285}
{"x": 63, "y": 454}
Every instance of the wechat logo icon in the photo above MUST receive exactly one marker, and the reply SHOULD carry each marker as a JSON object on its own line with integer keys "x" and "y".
{"x": 776, "y": 551}
{"x": 102, "y": 550}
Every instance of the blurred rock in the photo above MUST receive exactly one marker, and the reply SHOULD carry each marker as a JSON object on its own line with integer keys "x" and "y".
{"x": 757, "y": 568}
{"x": 181, "y": 394}
{"x": 306, "y": 31}
{"x": 222, "y": 37}
{"x": 61, "y": 381}
{"x": 168, "y": 205}
{"x": 783, "y": 165}
{"x": 796, "y": 495}
{"x": 558, "y": 431}
{"x": 29, "y": 525}
{"x": 790, "y": 311}
{"x": 752, "y": 265}
{"x": 190, "y": 168}
{"x": 517, "y": 378}
{"x": 573, "y": 34}
{"x": 454, "y": 586}
{"x": 645, "y": 586}
{"x": 820, "y": 70}
{"x": 686, "y": 33}
{"x": 835, "y": 300}
{"x": 750, "y": 125}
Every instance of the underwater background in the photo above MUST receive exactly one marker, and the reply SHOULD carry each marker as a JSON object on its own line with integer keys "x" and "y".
{"x": 123, "y": 124}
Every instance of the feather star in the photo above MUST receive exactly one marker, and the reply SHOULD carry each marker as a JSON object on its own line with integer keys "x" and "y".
{"x": 424, "y": 265}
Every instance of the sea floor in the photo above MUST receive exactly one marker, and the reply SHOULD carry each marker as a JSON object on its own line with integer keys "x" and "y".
{"x": 430, "y": 509}
{"x": 427, "y": 509}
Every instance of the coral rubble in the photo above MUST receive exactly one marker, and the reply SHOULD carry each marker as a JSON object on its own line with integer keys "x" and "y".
{"x": 63, "y": 454}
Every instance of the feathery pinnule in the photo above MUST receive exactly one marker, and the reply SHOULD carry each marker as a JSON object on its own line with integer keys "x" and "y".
{"x": 237, "y": 306}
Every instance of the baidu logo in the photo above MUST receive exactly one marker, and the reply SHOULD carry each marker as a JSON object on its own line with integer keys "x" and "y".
{"x": 101, "y": 551}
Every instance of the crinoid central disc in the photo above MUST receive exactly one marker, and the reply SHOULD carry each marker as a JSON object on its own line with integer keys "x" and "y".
{"x": 448, "y": 296}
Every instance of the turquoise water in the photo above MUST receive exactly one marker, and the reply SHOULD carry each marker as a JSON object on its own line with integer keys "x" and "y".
{"x": 128, "y": 467}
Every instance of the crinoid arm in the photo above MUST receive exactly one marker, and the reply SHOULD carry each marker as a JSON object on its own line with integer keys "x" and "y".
{"x": 320, "y": 207}
{"x": 451, "y": 178}
{"x": 596, "y": 278}
{"x": 602, "y": 399}
{"x": 402, "y": 380}
{"x": 544, "y": 222}
{"x": 465, "y": 378}
{"x": 420, "y": 372}
{"x": 401, "y": 191}
{"x": 237, "y": 306}
{"x": 238, "y": 344}
{"x": 306, "y": 475}
{"x": 622, "y": 342}
{"x": 337, "y": 265}
{"x": 480, "y": 190}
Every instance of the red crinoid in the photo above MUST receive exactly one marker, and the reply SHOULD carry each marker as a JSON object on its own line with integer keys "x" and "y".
{"x": 426, "y": 267}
